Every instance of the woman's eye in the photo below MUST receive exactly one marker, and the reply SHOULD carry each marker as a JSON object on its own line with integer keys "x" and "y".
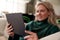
{"x": 42, "y": 10}
{"x": 37, "y": 11}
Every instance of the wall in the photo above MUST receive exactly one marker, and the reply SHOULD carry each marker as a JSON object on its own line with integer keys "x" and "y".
{"x": 56, "y": 5}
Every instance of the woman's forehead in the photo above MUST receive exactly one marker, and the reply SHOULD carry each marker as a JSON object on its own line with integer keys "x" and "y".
{"x": 40, "y": 7}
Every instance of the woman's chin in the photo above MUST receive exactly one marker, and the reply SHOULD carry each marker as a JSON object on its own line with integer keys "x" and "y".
{"x": 39, "y": 19}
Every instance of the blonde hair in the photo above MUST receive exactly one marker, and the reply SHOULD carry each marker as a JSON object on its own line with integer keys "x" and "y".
{"x": 49, "y": 7}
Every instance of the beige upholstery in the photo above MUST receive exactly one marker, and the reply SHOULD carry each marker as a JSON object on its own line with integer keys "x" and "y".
{"x": 3, "y": 23}
{"x": 55, "y": 36}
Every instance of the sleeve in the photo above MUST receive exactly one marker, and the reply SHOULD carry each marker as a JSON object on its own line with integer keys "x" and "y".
{"x": 54, "y": 29}
{"x": 29, "y": 26}
{"x": 16, "y": 37}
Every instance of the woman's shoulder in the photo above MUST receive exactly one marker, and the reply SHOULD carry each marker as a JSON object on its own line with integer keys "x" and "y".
{"x": 54, "y": 28}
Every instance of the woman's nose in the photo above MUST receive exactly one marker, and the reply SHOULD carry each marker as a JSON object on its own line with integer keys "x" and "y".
{"x": 39, "y": 13}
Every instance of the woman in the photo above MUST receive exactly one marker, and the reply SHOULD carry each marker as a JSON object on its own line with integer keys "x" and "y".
{"x": 43, "y": 25}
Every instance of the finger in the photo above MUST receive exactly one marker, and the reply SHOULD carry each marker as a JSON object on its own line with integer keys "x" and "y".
{"x": 10, "y": 33}
{"x": 9, "y": 28}
{"x": 8, "y": 25}
{"x": 29, "y": 32}
{"x": 26, "y": 37}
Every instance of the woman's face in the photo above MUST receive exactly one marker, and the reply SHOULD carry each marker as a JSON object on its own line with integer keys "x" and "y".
{"x": 41, "y": 13}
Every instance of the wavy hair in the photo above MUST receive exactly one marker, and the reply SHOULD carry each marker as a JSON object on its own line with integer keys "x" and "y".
{"x": 49, "y": 7}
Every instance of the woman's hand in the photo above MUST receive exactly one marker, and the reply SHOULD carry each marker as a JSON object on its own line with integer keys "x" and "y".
{"x": 10, "y": 30}
{"x": 32, "y": 36}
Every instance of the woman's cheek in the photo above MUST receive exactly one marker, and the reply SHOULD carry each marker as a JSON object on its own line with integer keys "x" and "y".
{"x": 36, "y": 14}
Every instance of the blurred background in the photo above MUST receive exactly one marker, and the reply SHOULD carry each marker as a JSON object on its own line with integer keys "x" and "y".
{"x": 26, "y": 7}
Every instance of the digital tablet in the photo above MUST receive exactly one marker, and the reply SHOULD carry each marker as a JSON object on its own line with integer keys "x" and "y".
{"x": 16, "y": 20}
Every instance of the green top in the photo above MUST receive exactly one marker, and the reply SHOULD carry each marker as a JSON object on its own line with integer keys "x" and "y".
{"x": 42, "y": 28}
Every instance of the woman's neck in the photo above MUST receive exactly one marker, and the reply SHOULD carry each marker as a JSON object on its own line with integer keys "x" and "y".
{"x": 41, "y": 20}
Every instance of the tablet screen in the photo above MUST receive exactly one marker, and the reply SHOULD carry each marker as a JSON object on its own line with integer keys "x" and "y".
{"x": 16, "y": 20}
